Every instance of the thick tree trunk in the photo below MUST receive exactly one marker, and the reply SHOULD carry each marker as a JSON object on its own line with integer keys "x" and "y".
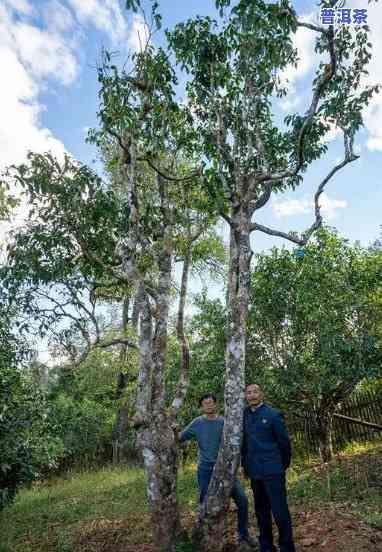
{"x": 153, "y": 419}
{"x": 210, "y": 530}
{"x": 160, "y": 459}
{"x": 155, "y": 437}
{"x": 325, "y": 430}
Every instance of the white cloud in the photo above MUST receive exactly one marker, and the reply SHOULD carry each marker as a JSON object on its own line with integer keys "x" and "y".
{"x": 33, "y": 56}
{"x": 138, "y": 34}
{"x": 291, "y": 207}
{"x": 304, "y": 41}
{"x": 373, "y": 123}
{"x": 40, "y": 47}
{"x": 58, "y": 17}
{"x": 329, "y": 206}
{"x": 20, "y": 127}
{"x": 289, "y": 103}
{"x": 46, "y": 53}
{"x": 105, "y": 15}
{"x": 22, "y": 6}
{"x": 304, "y": 206}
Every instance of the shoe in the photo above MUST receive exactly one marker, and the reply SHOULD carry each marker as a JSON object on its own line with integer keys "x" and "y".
{"x": 248, "y": 540}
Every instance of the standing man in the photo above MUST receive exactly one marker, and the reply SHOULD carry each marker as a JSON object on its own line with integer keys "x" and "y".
{"x": 207, "y": 430}
{"x": 266, "y": 455}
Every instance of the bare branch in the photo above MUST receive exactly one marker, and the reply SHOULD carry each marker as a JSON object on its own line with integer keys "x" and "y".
{"x": 317, "y": 28}
{"x": 80, "y": 304}
{"x": 117, "y": 341}
{"x": 279, "y": 233}
{"x": 303, "y": 239}
{"x": 190, "y": 176}
{"x": 59, "y": 308}
{"x": 329, "y": 72}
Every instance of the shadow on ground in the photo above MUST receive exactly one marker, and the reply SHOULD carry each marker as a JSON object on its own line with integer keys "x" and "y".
{"x": 332, "y": 529}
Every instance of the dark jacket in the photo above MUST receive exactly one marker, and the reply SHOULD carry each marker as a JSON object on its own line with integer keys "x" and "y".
{"x": 266, "y": 448}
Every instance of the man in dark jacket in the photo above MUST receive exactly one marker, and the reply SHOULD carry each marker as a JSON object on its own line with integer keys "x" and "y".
{"x": 266, "y": 455}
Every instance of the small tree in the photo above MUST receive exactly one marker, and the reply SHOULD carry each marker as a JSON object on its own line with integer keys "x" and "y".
{"x": 313, "y": 326}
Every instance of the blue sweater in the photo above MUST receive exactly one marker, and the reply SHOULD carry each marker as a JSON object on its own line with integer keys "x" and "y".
{"x": 208, "y": 435}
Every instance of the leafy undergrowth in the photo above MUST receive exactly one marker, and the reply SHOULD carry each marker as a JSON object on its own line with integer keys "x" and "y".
{"x": 335, "y": 507}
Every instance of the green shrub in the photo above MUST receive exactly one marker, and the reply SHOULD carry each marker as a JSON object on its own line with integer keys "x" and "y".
{"x": 27, "y": 446}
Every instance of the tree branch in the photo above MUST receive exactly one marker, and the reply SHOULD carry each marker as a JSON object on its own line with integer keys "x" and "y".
{"x": 181, "y": 388}
{"x": 349, "y": 157}
{"x": 190, "y": 176}
{"x": 278, "y": 233}
{"x": 317, "y": 28}
{"x": 117, "y": 341}
{"x": 264, "y": 198}
{"x": 329, "y": 72}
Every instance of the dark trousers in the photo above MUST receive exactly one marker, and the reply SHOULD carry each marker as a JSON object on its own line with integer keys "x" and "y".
{"x": 237, "y": 493}
{"x": 270, "y": 497}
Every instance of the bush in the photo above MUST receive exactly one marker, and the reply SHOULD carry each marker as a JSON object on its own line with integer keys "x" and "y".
{"x": 84, "y": 427}
{"x": 83, "y": 409}
{"x": 26, "y": 444}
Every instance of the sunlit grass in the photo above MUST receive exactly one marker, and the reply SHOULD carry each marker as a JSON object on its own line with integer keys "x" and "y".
{"x": 50, "y": 506}
{"x": 47, "y": 516}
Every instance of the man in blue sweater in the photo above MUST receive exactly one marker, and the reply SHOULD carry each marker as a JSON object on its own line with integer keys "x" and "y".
{"x": 266, "y": 455}
{"x": 207, "y": 430}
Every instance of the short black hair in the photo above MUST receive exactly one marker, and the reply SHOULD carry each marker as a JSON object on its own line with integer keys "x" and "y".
{"x": 207, "y": 396}
{"x": 257, "y": 385}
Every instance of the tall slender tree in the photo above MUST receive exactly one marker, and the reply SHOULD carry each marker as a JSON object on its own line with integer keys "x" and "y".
{"x": 234, "y": 67}
{"x": 227, "y": 131}
{"x": 83, "y": 235}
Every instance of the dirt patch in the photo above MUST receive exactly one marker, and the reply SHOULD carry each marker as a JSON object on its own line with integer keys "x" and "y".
{"x": 334, "y": 530}
{"x": 330, "y": 529}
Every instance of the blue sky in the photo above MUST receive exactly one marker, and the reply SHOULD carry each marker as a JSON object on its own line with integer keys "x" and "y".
{"x": 49, "y": 50}
{"x": 48, "y": 99}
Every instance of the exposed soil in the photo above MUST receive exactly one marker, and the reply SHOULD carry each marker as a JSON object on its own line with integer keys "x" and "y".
{"x": 326, "y": 529}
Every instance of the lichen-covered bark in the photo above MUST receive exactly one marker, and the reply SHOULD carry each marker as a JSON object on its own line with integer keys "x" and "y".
{"x": 121, "y": 422}
{"x": 182, "y": 385}
{"x": 211, "y": 522}
{"x": 155, "y": 436}
{"x": 143, "y": 400}
{"x": 160, "y": 459}
{"x": 161, "y": 322}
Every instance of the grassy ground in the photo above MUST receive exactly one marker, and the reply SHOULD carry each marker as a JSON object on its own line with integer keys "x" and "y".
{"x": 107, "y": 510}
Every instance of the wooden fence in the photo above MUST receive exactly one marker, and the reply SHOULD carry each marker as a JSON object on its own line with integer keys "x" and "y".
{"x": 363, "y": 405}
